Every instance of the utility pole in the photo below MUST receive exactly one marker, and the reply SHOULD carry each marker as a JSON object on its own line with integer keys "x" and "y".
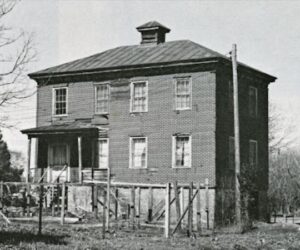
{"x": 236, "y": 136}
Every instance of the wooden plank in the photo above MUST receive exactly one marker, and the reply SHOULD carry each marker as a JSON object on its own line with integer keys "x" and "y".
{"x": 190, "y": 212}
{"x": 28, "y": 199}
{"x": 116, "y": 203}
{"x": 182, "y": 203}
{"x": 79, "y": 158}
{"x": 5, "y": 218}
{"x": 177, "y": 201}
{"x": 167, "y": 209}
{"x": 95, "y": 198}
{"x": 63, "y": 200}
{"x": 150, "y": 204}
{"x": 104, "y": 215}
{"x": 139, "y": 207}
{"x": 207, "y": 202}
{"x": 199, "y": 210}
{"x": 1, "y": 195}
{"x": 28, "y": 161}
{"x": 108, "y": 200}
{"x": 132, "y": 207}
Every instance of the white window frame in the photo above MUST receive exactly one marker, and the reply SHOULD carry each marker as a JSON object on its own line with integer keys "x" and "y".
{"x": 103, "y": 139}
{"x": 96, "y": 85}
{"x": 256, "y": 101}
{"x": 256, "y": 151}
{"x": 130, "y": 151}
{"x": 132, "y": 97}
{"x": 54, "y": 99}
{"x": 174, "y": 151}
{"x": 190, "y": 92}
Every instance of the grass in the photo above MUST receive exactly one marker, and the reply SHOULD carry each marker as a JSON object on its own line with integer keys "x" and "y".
{"x": 264, "y": 236}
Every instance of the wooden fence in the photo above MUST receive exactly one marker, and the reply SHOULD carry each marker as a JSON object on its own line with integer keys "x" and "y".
{"x": 106, "y": 195}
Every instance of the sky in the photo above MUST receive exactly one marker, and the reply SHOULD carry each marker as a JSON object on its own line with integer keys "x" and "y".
{"x": 267, "y": 34}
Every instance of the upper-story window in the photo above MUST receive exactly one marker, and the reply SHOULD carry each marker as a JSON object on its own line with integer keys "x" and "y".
{"x": 252, "y": 101}
{"x": 183, "y": 93}
{"x": 139, "y": 97}
{"x": 60, "y": 105}
{"x": 138, "y": 152}
{"x": 102, "y": 99}
{"x": 182, "y": 151}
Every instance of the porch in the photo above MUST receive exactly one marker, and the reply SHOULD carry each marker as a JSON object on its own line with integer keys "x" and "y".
{"x": 72, "y": 152}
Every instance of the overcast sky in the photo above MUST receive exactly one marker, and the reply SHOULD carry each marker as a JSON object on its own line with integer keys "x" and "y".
{"x": 267, "y": 34}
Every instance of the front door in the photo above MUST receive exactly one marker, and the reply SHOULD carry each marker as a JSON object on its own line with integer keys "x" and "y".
{"x": 58, "y": 159}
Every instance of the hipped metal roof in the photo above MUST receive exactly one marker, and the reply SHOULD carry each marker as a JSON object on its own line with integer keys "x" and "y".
{"x": 136, "y": 55}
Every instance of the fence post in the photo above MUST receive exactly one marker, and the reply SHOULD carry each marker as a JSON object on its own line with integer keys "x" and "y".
{"x": 182, "y": 203}
{"x": 199, "y": 209}
{"x": 41, "y": 208}
{"x": 190, "y": 211}
{"x": 177, "y": 201}
{"x": 116, "y": 203}
{"x": 150, "y": 204}
{"x": 28, "y": 200}
{"x": 139, "y": 206}
{"x": 95, "y": 201}
{"x": 167, "y": 211}
{"x": 1, "y": 195}
{"x": 132, "y": 207}
{"x": 207, "y": 201}
{"x": 104, "y": 214}
{"x": 63, "y": 200}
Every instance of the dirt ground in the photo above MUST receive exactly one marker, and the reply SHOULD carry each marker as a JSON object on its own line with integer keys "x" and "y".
{"x": 72, "y": 236}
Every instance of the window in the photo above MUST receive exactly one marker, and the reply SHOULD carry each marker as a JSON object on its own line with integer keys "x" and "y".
{"x": 182, "y": 151}
{"x": 183, "y": 90}
{"x": 138, "y": 152}
{"x": 60, "y": 101}
{"x": 102, "y": 99}
{"x": 252, "y": 101}
{"x": 253, "y": 153}
{"x": 231, "y": 153}
{"x": 58, "y": 154}
{"x": 139, "y": 97}
{"x": 230, "y": 96}
{"x": 103, "y": 153}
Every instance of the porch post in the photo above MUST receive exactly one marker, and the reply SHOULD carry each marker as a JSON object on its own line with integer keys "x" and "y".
{"x": 28, "y": 160}
{"x": 79, "y": 159}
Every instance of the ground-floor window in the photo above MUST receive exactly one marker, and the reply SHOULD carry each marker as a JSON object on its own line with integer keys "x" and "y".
{"x": 103, "y": 153}
{"x": 138, "y": 152}
{"x": 182, "y": 151}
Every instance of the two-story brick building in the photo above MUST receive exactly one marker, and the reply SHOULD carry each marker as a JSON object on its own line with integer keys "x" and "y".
{"x": 153, "y": 113}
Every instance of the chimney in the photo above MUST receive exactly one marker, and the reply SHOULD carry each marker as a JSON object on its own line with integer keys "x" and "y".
{"x": 153, "y": 32}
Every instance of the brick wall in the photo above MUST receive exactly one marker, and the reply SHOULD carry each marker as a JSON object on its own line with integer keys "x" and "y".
{"x": 159, "y": 124}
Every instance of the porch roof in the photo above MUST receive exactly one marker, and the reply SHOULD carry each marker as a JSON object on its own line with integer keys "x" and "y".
{"x": 76, "y": 127}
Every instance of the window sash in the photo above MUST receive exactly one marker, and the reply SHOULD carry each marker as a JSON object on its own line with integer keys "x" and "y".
{"x": 139, "y": 97}
{"x": 182, "y": 93}
{"x": 60, "y": 101}
{"x": 252, "y": 101}
{"x": 103, "y": 153}
{"x": 182, "y": 151}
{"x": 138, "y": 152}
{"x": 102, "y": 99}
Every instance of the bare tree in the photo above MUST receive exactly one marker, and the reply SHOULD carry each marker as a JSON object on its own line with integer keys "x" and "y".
{"x": 16, "y": 52}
